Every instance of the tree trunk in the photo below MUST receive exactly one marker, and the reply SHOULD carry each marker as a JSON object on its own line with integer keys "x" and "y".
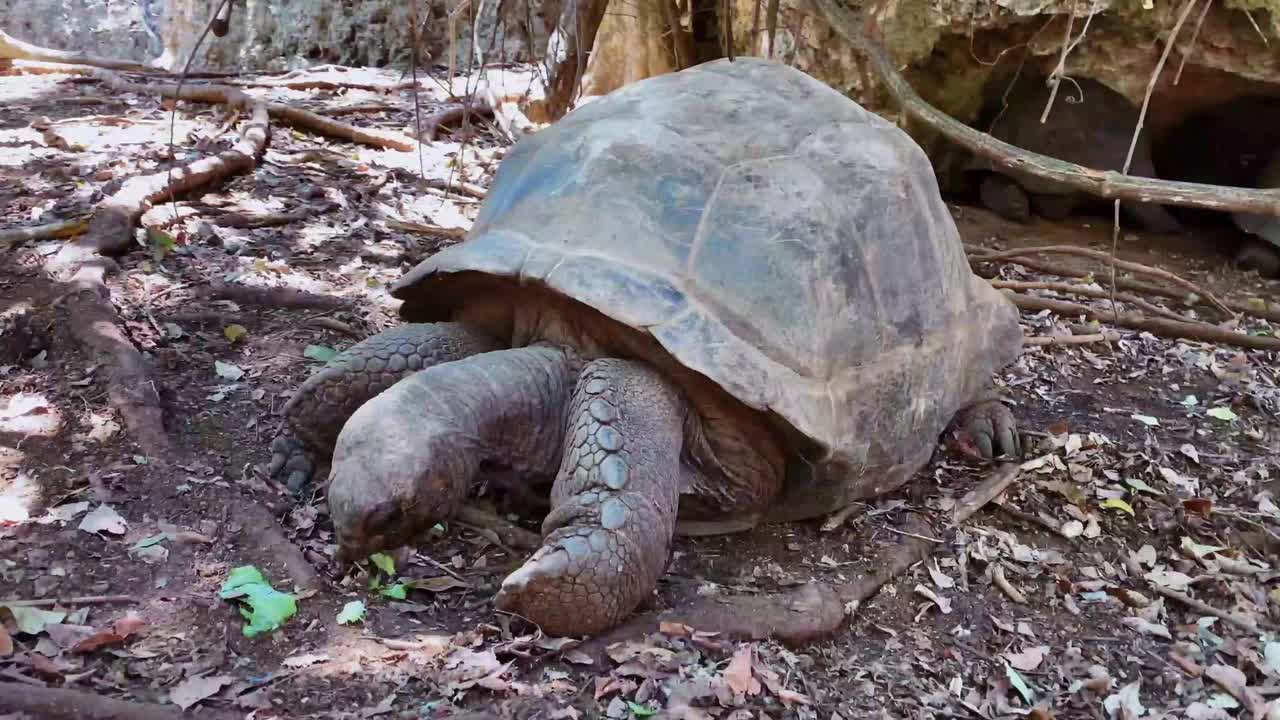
{"x": 575, "y": 36}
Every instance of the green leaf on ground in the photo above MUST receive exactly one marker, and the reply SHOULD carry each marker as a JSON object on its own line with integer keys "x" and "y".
{"x": 319, "y": 353}
{"x": 1117, "y": 504}
{"x": 384, "y": 562}
{"x": 351, "y": 612}
{"x": 396, "y": 592}
{"x": 268, "y": 608}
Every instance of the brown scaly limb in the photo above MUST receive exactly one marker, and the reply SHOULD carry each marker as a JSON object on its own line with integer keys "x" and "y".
{"x": 1129, "y": 265}
{"x": 14, "y": 49}
{"x": 67, "y": 704}
{"x": 452, "y": 114}
{"x": 815, "y": 610}
{"x": 1178, "y": 330}
{"x": 1256, "y": 307}
{"x": 1105, "y": 184}
{"x": 1089, "y": 292}
{"x": 15, "y": 237}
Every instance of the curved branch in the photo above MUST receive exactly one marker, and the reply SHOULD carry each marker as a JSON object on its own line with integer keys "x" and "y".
{"x": 1106, "y": 184}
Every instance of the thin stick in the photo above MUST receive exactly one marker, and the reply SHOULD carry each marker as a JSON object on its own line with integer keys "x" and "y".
{"x": 1133, "y": 142}
{"x": 997, "y": 577}
{"x": 1191, "y": 45}
{"x": 977, "y": 498}
{"x": 1085, "y": 291}
{"x": 1061, "y": 68}
{"x": 1243, "y": 623}
{"x": 1129, "y": 265}
{"x": 1203, "y": 332}
{"x": 82, "y": 600}
{"x": 1045, "y": 340}
{"x": 1256, "y": 307}
{"x": 60, "y": 229}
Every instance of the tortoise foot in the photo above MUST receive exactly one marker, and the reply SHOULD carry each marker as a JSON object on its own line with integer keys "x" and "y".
{"x": 1259, "y": 255}
{"x": 315, "y": 414}
{"x": 1004, "y": 197}
{"x": 985, "y": 430}
{"x": 608, "y": 537}
{"x": 291, "y": 462}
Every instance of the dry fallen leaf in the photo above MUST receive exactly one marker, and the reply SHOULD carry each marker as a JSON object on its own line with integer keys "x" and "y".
{"x": 1146, "y": 628}
{"x": 1028, "y": 659}
{"x": 115, "y": 634}
{"x": 104, "y": 518}
{"x": 194, "y": 689}
{"x": 6, "y": 642}
{"x": 301, "y": 661}
{"x": 738, "y": 674}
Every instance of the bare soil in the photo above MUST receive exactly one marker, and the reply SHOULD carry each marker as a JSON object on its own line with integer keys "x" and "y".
{"x": 1122, "y": 458}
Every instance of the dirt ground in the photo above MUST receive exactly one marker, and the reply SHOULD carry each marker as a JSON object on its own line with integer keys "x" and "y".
{"x": 1127, "y": 573}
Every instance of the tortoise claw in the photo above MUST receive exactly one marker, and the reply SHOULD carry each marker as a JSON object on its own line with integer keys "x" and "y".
{"x": 987, "y": 430}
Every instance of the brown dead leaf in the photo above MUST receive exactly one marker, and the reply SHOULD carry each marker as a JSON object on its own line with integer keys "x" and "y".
{"x": 438, "y": 584}
{"x": 608, "y": 685}
{"x": 6, "y": 642}
{"x": 738, "y": 674}
{"x": 674, "y": 629}
{"x": 577, "y": 657}
{"x": 1028, "y": 659}
{"x": 194, "y": 689}
{"x": 117, "y": 633}
{"x": 1234, "y": 682}
{"x": 44, "y": 667}
{"x": 1199, "y": 505}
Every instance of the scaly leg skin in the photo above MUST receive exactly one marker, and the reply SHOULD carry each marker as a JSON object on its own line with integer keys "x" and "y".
{"x": 409, "y": 457}
{"x": 1153, "y": 217}
{"x": 1004, "y": 197}
{"x": 315, "y": 414}
{"x": 608, "y": 537}
{"x": 984, "y": 430}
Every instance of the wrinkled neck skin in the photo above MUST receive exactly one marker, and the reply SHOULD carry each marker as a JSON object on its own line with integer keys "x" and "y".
{"x": 733, "y": 458}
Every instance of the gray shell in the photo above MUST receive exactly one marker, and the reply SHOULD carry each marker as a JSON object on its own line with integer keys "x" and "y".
{"x": 771, "y": 235}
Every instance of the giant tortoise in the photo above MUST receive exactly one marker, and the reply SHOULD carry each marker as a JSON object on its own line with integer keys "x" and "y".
{"x": 728, "y": 294}
{"x": 1089, "y": 124}
{"x": 1261, "y": 252}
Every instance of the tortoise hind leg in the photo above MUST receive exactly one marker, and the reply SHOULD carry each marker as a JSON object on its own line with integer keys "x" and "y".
{"x": 608, "y": 537}
{"x": 1260, "y": 255}
{"x": 985, "y": 429}
{"x": 315, "y": 414}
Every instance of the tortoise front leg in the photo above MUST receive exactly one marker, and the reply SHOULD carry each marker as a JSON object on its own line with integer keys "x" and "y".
{"x": 409, "y": 457}
{"x": 315, "y": 414}
{"x": 608, "y": 537}
{"x": 985, "y": 429}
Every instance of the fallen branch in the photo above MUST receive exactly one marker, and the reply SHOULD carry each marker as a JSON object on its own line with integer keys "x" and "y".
{"x": 1089, "y": 292}
{"x": 83, "y": 600}
{"x": 1106, "y": 184}
{"x": 452, "y": 114}
{"x": 113, "y": 222}
{"x": 998, "y": 578}
{"x": 1129, "y": 265}
{"x": 318, "y": 84}
{"x": 460, "y": 186}
{"x": 12, "y": 48}
{"x": 1179, "y": 330}
{"x": 15, "y": 237}
{"x": 1204, "y": 608}
{"x": 275, "y": 297}
{"x": 1045, "y": 340}
{"x": 297, "y": 117}
{"x": 66, "y": 704}
{"x": 1256, "y": 307}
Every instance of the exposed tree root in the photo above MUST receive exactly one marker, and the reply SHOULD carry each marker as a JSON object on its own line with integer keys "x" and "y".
{"x": 1256, "y": 307}
{"x": 1129, "y": 265}
{"x": 817, "y": 609}
{"x": 578, "y": 25}
{"x": 113, "y": 222}
{"x": 67, "y": 704}
{"x": 274, "y": 297}
{"x": 454, "y": 233}
{"x": 62, "y": 229}
{"x": 93, "y": 322}
{"x": 14, "y": 49}
{"x": 1179, "y": 330}
{"x": 1106, "y": 184}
